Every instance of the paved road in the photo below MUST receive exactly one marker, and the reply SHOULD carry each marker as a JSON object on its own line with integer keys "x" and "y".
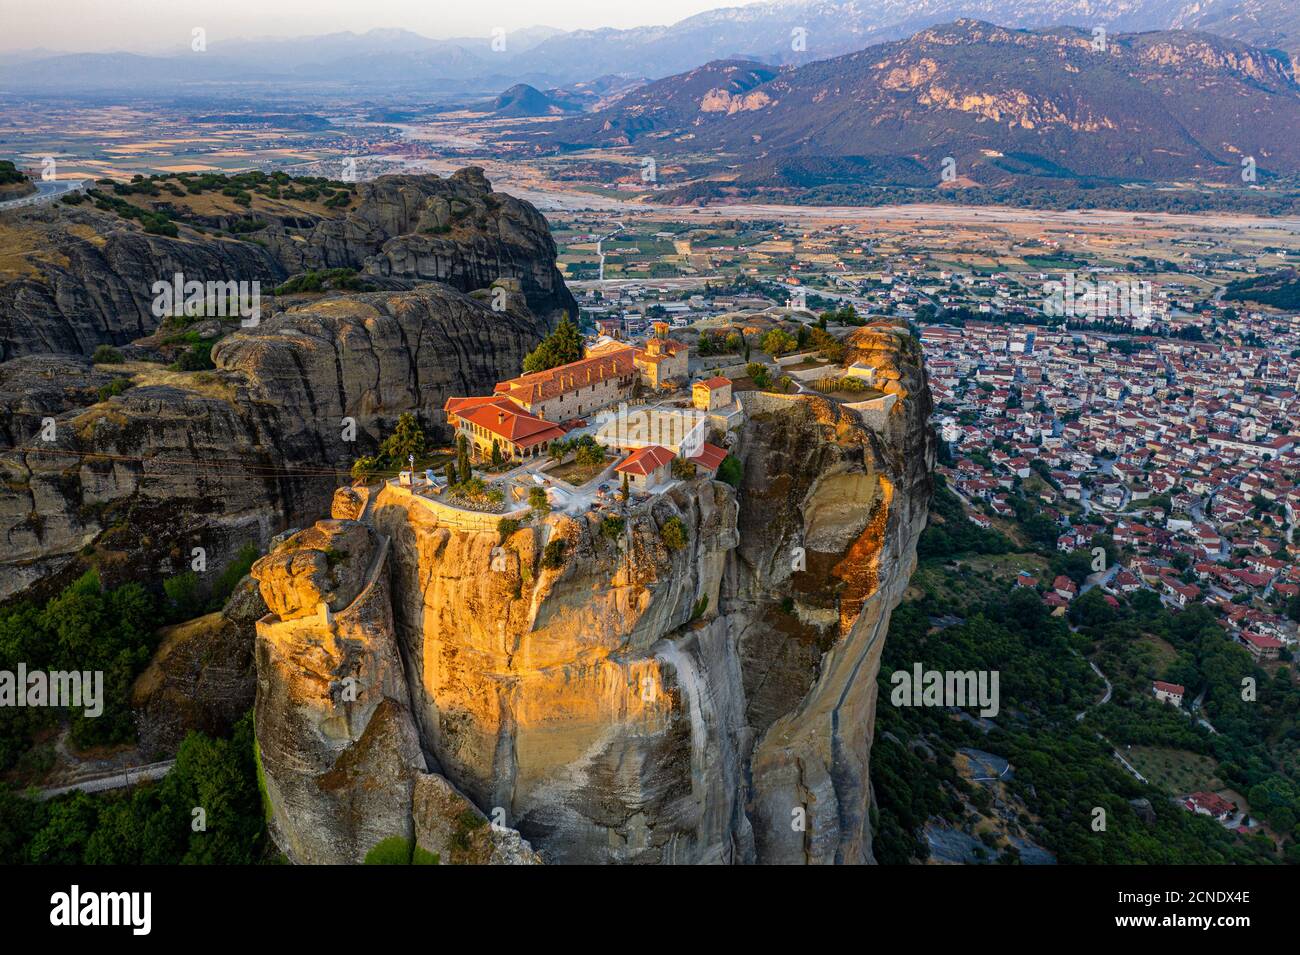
{"x": 98, "y": 784}
{"x": 45, "y": 192}
{"x": 1127, "y": 765}
{"x": 600, "y": 247}
{"x": 1101, "y": 578}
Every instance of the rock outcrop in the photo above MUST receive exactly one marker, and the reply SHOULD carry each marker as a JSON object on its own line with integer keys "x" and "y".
{"x": 456, "y": 230}
{"x": 337, "y": 745}
{"x": 338, "y": 750}
{"x": 229, "y": 457}
{"x": 618, "y": 699}
{"x": 449, "y": 826}
{"x": 91, "y": 281}
{"x": 201, "y": 677}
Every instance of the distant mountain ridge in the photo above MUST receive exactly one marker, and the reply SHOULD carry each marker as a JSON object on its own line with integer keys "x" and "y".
{"x": 1002, "y": 104}
{"x": 779, "y": 32}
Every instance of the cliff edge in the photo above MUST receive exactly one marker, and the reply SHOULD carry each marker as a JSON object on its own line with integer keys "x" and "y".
{"x": 629, "y": 694}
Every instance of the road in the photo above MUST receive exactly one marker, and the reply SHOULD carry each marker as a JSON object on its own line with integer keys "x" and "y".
{"x": 1105, "y": 697}
{"x": 45, "y": 192}
{"x": 600, "y": 242}
{"x": 1099, "y": 579}
{"x": 1127, "y": 765}
{"x": 120, "y": 780}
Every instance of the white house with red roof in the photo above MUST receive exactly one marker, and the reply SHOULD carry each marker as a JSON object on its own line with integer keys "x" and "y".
{"x": 1169, "y": 692}
{"x": 647, "y": 468}
{"x": 1261, "y": 647}
{"x": 1209, "y": 804}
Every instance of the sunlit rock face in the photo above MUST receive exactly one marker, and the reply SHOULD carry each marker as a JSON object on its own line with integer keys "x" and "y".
{"x": 583, "y": 700}
{"x": 631, "y": 702}
{"x": 337, "y": 746}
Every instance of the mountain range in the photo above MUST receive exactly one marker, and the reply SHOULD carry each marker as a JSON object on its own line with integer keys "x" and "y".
{"x": 779, "y": 32}
{"x": 1003, "y": 105}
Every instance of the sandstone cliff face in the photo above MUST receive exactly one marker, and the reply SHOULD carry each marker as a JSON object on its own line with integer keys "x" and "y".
{"x": 229, "y": 457}
{"x": 551, "y": 695}
{"x": 635, "y": 703}
{"x": 331, "y": 702}
{"x": 338, "y": 751}
{"x": 92, "y": 282}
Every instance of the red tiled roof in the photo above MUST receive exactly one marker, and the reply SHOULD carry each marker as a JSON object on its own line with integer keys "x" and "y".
{"x": 457, "y": 406}
{"x": 508, "y": 421}
{"x": 1170, "y": 687}
{"x": 710, "y": 456}
{"x": 714, "y": 383}
{"x": 645, "y": 460}
{"x": 540, "y": 385}
{"x": 1212, "y": 802}
{"x": 1261, "y": 641}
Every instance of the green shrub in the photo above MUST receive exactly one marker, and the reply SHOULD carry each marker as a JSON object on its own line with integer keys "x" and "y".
{"x": 505, "y": 527}
{"x": 198, "y": 358}
{"x": 553, "y": 554}
{"x": 113, "y": 388}
{"x": 107, "y": 355}
{"x": 421, "y": 856}
{"x": 321, "y": 279}
{"x": 730, "y": 471}
{"x": 182, "y": 596}
{"x": 366, "y": 467}
{"x": 673, "y": 533}
{"x": 232, "y": 574}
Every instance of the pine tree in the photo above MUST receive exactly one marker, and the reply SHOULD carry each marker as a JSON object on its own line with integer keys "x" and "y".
{"x": 407, "y": 439}
{"x": 462, "y": 458}
{"x": 562, "y": 346}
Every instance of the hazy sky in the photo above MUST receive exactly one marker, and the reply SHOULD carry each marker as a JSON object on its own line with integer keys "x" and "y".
{"x": 153, "y": 25}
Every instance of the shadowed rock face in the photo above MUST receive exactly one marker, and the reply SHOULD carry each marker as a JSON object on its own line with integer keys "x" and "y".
{"x": 451, "y": 827}
{"x": 635, "y": 703}
{"x": 403, "y": 230}
{"x": 233, "y": 456}
{"x": 202, "y": 676}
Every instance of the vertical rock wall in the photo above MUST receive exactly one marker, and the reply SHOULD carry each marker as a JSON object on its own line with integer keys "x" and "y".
{"x": 635, "y": 703}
